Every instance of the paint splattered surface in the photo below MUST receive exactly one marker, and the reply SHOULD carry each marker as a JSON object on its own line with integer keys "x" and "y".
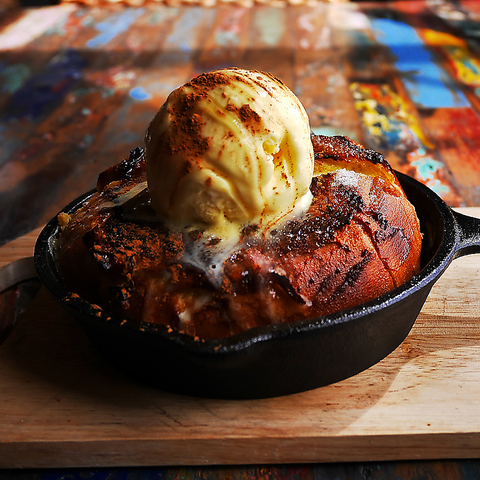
{"x": 79, "y": 85}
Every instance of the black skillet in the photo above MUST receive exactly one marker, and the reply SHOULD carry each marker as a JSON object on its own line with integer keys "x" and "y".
{"x": 282, "y": 359}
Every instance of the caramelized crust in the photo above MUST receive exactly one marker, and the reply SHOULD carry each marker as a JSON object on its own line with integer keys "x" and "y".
{"x": 359, "y": 239}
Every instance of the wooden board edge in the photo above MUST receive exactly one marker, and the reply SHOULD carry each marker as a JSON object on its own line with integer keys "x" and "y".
{"x": 240, "y": 451}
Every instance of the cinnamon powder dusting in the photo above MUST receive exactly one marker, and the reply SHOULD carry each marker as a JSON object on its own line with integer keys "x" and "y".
{"x": 249, "y": 117}
{"x": 209, "y": 80}
{"x": 186, "y": 126}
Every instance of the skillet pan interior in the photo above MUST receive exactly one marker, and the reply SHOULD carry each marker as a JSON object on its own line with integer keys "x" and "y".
{"x": 280, "y": 359}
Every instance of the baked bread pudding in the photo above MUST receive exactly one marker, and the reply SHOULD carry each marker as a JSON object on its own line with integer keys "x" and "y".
{"x": 234, "y": 215}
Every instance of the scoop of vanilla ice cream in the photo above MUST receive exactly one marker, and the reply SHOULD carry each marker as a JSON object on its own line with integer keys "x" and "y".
{"x": 228, "y": 149}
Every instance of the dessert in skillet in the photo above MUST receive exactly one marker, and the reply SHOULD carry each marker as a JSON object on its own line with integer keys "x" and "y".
{"x": 235, "y": 216}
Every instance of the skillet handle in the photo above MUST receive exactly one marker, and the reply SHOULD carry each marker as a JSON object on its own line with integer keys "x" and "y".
{"x": 469, "y": 234}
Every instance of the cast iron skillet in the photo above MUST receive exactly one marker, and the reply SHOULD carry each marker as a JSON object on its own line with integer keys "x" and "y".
{"x": 274, "y": 360}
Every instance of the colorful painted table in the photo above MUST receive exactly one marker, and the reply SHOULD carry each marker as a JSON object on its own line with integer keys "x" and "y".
{"x": 79, "y": 85}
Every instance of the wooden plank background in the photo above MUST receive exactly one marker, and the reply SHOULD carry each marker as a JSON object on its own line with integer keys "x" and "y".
{"x": 79, "y": 86}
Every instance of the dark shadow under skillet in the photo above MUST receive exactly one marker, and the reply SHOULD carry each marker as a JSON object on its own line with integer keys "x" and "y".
{"x": 281, "y": 359}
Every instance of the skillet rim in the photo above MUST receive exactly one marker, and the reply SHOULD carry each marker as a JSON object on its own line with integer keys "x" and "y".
{"x": 447, "y": 251}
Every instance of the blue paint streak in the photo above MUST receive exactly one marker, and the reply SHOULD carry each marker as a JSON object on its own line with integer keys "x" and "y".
{"x": 226, "y": 38}
{"x": 139, "y": 93}
{"x": 427, "y": 167}
{"x": 114, "y": 26}
{"x": 87, "y": 140}
{"x": 271, "y": 26}
{"x": 42, "y": 92}
{"x": 13, "y": 77}
{"x": 427, "y": 84}
{"x": 183, "y": 36}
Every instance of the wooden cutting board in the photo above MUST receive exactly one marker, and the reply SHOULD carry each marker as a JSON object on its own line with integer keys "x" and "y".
{"x": 61, "y": 404}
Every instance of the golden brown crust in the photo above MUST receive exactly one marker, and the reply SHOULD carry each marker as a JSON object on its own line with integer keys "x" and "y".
{"x": 359, "y": 239}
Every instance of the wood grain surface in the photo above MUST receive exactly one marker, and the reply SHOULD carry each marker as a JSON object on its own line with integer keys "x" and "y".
{"x": 63, "y": 404}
